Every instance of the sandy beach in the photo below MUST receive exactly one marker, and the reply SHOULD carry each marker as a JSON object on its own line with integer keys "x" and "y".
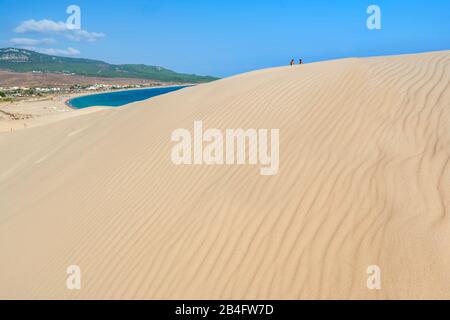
{"x": 33, "y": 112}
{"x": 364, "y": 179}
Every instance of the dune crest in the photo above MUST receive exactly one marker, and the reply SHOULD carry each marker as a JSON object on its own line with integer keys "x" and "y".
{"x": 364, "y": 179}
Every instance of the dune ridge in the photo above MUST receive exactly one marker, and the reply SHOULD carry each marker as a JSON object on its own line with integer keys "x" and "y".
{"x": 364, "y": 179}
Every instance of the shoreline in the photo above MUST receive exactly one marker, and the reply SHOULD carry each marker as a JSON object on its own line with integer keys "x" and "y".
{"x": 32, "y": 112}
{"x": 67, "y": 101}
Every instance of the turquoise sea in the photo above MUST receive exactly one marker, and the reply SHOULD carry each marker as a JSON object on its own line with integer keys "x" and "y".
{"x": 119, "y": 98}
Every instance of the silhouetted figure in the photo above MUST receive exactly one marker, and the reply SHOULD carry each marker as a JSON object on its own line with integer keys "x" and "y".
{"x": 300, "y": 61}
{"x": 292, "y": 62}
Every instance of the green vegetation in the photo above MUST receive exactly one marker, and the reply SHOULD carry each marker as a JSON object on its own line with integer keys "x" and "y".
{"x": 6, "y": 99}
{"x": 20, "y": 60}
{"x": 2, "y": 94}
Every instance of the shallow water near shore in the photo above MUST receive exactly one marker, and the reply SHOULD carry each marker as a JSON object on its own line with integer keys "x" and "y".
{"x": 119, "y": 98}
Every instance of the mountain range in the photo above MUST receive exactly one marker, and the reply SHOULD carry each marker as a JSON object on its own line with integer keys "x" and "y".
{"x": 21, "y": 60}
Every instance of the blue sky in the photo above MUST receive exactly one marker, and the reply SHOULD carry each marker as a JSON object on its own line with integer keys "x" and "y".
{"x": 227, "y": 37}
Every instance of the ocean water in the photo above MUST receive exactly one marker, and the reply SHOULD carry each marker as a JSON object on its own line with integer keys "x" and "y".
{"x": 119, "y": 98}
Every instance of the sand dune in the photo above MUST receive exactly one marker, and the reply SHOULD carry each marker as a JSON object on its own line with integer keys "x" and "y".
{"x": 364, "y": 180}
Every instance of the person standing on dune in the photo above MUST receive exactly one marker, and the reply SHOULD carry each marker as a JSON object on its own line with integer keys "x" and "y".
{"x": 292, "y": 62}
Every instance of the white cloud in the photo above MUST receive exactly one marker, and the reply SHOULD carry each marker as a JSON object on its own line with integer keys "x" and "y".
{"x": 31, "y": 42}
{"x": 41, "y": 26}
{"x": 53, "y": 51}
{"x": 46, "y": 26}
{"x": 80, "y": 35}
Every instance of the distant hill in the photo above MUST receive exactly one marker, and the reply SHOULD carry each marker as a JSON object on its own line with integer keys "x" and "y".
{"x": 21, "y": 60}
